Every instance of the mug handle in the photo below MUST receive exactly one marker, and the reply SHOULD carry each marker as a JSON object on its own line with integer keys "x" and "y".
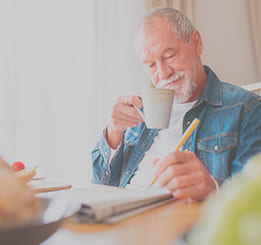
{"x": 140, "y": 113}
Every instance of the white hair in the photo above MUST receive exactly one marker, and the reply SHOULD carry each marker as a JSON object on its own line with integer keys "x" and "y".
{"x": 177, "y": 21}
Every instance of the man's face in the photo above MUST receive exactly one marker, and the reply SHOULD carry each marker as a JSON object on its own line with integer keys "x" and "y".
{"x": 170, "y": 62}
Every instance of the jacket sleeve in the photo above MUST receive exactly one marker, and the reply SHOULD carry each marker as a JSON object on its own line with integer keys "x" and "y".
{"x": 249, "y": 142}
{"x": 104, "y": 172}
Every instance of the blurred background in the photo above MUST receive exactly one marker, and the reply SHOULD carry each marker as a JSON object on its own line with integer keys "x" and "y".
{"x": 64, "y": 62}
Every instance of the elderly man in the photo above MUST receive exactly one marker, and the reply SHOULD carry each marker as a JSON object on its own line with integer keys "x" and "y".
{"x": 229, "y": 132}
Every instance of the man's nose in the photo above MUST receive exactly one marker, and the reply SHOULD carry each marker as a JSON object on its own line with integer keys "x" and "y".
{"x": 164, "y": 71}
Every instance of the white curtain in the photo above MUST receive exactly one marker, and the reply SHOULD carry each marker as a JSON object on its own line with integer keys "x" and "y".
{"x": 118, "y": 70}
{"x": 62, "y": 64}
{"x": 7, "y": 79}
{"x": 53, "y": 68}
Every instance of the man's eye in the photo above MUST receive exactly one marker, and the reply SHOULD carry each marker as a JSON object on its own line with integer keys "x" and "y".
{"x": 170, "y": 56}
{"x": 152, "y": 65}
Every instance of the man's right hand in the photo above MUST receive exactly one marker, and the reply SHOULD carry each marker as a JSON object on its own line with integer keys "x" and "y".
{"x": 123, "y": 116}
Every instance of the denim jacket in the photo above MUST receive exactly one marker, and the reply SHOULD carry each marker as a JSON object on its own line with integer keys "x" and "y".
{"x": 228, "y": 134}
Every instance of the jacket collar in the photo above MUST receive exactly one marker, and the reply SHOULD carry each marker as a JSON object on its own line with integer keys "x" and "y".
{"x": 212, "y": 92}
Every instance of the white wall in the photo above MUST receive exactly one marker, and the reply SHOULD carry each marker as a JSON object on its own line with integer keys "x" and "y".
{"x": 54, "y": 48}
{"x": 118, "y": 70}
{"x": 224, "y": 26}
{"x": 7, "y": 79}
{"x": 62, "y": 65}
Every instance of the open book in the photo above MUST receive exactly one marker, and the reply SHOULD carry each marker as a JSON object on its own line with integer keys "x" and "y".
{"x": 111, "y": 204}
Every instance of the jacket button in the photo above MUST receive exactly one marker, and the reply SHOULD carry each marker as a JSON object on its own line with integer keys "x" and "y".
{"x": 216, "y": 147}
{"x": 143, "y": 146}
{"x": 188, "y": 122}
{"x": 127, "y": 172}
{"x": 186, "y": 149}
{"x": 107, "y": 173}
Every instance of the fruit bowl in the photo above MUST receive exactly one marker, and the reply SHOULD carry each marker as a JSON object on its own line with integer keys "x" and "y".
{"x": 56, "y": 211}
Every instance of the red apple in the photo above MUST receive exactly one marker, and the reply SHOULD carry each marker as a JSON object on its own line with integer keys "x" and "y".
{"x": 18, "y": 166}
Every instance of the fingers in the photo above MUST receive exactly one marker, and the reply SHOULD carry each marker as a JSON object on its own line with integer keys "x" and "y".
{"x": 184, "y": 175}
{"x": 172, "y": 172}
{"x": 174, "y": 158}
{"x": 121, "y": 121}
{"x": 130, "y": 100}
{"x": 191, "y": 187}
{"x": 181, "y": 182}
{"x": 124, "y": 106}
{"x": 194, "y": 192}
{"x": 121, "y": 125}
{"x": 124, "y": 115}
{"x": 121, "y": 110}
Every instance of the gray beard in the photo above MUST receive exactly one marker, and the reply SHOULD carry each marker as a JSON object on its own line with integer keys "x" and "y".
{"x": 184, "y": 91}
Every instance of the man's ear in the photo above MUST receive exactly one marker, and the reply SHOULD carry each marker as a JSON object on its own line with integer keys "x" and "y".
{"x": 196, "y": 41}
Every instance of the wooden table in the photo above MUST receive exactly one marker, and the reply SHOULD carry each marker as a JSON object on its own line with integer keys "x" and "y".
{"x": 161, "y": 225}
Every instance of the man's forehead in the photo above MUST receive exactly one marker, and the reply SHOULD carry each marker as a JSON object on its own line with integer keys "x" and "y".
{"x": 152, "y": 22}
{"x": 150, "y": 26}
{"x": 150, "y": 29}
{"x": 147, "y": 31}
{"x": 154, "y": 40}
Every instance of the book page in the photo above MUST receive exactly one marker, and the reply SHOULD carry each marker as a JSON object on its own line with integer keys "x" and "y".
{"x": 97, "y": 195}
{"x": 101, "y": 202}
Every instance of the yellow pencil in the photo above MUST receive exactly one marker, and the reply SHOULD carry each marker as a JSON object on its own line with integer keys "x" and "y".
{"x": 183, "y": 139}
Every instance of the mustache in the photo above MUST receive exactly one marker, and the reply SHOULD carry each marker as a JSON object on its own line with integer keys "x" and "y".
{"x": 173, "y": 78}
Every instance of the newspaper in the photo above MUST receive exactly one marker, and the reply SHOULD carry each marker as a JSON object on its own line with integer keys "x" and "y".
{"x": 103, "y": 204}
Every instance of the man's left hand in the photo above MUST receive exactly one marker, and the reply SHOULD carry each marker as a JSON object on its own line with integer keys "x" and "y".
{"x": 184, "y": 175}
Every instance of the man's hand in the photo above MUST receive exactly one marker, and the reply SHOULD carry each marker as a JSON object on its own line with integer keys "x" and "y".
{"x": 123, "y": 116}
{"x": 184, "y": 175}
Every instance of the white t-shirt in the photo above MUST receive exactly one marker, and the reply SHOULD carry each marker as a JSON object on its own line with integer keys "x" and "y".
{"x": 164, "y": 143}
